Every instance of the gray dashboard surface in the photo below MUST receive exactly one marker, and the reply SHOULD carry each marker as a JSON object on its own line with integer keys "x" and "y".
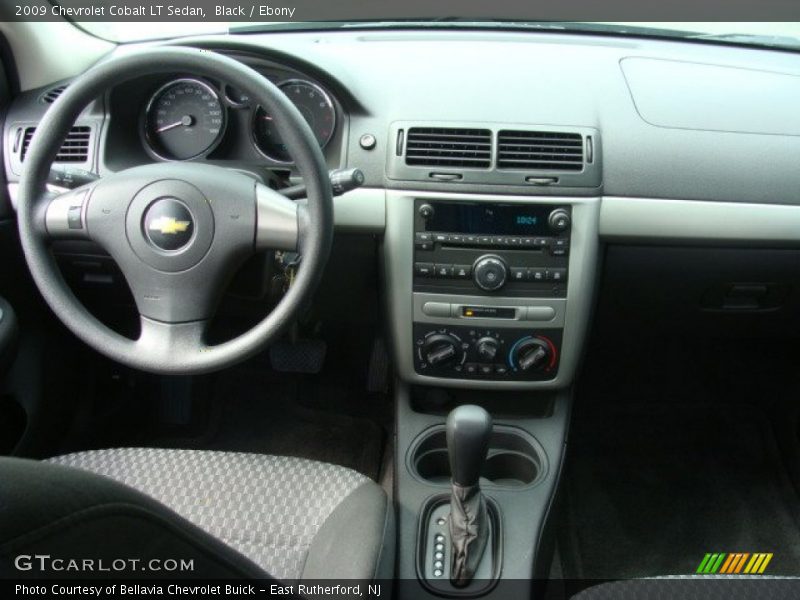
{"x": 686, "y": 95}
{"x": 568, "y": 80}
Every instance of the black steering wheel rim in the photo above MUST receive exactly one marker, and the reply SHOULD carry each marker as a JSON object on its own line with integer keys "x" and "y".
{"x": 181, "y": 352}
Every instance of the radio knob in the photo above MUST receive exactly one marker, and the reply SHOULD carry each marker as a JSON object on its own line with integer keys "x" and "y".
{"x": 441, "y": 349}
{"x": 559, "y": 220}
{"x": 531, "y": 354}
{"x": 490, "y": 272}
{"x": 426, "y": 211}
{"x": 487, "y": 348}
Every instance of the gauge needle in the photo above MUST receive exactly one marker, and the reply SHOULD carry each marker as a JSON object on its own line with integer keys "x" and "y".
{"x": 185, "y": 121}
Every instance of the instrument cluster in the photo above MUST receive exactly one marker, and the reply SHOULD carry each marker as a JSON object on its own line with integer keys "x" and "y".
{"x": 187, "y": 118}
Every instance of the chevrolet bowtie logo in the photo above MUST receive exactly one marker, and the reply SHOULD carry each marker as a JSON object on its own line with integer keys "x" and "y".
{"x": 169, "y": 225}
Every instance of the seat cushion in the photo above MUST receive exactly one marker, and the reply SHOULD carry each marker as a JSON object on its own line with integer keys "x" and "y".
{"x": 268, "y": 508}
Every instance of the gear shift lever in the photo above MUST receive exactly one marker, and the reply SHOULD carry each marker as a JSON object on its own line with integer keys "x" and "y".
{"x": 468, "y": 430}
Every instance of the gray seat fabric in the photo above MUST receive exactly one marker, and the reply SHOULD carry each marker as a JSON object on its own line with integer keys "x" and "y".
{"x": 268, "y": 508}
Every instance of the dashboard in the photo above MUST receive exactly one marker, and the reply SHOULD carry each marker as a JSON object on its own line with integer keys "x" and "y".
{"x": 470, "y": 142}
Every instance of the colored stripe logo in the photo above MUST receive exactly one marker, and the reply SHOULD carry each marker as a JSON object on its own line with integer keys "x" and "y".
{"x": 735, "y": 563}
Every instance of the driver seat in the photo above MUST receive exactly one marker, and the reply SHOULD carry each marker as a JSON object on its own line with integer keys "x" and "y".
{"x": 233, "y": 514}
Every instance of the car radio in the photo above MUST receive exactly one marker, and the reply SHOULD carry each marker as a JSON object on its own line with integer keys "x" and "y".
{"x": 490, "y": 286}
{"x": 490, "y": 249}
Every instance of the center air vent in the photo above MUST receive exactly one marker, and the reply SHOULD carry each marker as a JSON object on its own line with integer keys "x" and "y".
{"x": 52, "y": 94}
{"x": 449, "y": 147}
{"x": 74, "y": 149}
{"x": 548, "y": 150}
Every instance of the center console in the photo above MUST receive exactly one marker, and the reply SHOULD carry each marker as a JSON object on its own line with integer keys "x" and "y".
{"x": 489, "y": 298}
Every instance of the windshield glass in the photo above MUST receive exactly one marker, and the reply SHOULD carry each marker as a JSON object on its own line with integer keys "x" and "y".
{"x": 755, "y": 33}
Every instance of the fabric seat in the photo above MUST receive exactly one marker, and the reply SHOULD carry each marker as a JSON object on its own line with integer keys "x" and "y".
{"x": 292, "y": 518}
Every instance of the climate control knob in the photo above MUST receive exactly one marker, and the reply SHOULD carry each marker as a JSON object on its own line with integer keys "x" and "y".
{"x": 532, "y": 354}
{"x": 487, "y": 348}
{"x": 441, "y": 349}
{"x": 489, "y": 272}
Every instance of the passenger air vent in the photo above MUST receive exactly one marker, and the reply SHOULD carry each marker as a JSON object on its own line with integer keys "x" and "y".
{"x": 74, "y": 149}
{"x": 544, "y": 150}
{"x": 526, "y": 157}
{"x": 449, "y": 147}
{"x": 52, "y": 94}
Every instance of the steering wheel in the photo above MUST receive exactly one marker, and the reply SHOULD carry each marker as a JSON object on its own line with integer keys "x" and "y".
{"x": 178, "y": 231}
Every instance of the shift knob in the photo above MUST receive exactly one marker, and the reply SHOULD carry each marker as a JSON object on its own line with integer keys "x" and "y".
{"x": 469, "y": 428}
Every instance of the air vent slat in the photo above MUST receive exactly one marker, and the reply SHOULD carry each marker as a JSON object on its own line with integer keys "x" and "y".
{"x": 536, "y": 152}
{"x": 525, "y": 161}
{"x": 52, "y": 95}
{"x": 537, "y": 148}
{"x": 449, "y": 147}
{"x": 448, "y": 144}
{"x": 74, "y": 149}
{"x": 444, "y": 152}
{"x": 545, "y": 150}
{"x": 436, "y": 158}
{"x": 447, "y": 137}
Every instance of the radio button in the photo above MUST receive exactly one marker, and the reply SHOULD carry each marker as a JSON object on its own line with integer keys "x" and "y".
{"x": 423, "y": 269}
{"x": 471, "y": 239}
{"x": 557, "y": 275}
{"x": 436, "y": 309}
{"x": 541, "y": 242}
{"x": 456, "y": 239}
{"x": 559, "y": 247}
{"x": 519, "y": 273}
{"x": 529, "y": 242}
{"x": 462, "y": 271}
{"x": 443, "y": 270}
{"x": 536, "y": 274}
{"x": 441, "y": 237}
{"x": 500, "y": 240}
{"x": 513, "y": 241}
{"x": 485, "y": 370}
{"x": 540, "y": 313}
{"x": 485, "y": 240}
{"x": 422, "y": 236}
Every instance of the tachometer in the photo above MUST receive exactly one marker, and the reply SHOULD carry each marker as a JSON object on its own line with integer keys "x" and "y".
{"x": 184, "y": 119}
{"x": 314, "y": 105}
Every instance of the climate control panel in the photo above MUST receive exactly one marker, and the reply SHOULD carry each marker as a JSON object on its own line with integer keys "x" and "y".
{"x": 481, "y": 353}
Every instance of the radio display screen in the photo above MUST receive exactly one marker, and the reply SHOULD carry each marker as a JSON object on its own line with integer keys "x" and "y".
{"x": 497, "y": 219}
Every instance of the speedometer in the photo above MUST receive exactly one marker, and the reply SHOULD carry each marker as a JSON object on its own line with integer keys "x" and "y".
{"x": 315, "y": 106}
{"x": 184, "y": 119}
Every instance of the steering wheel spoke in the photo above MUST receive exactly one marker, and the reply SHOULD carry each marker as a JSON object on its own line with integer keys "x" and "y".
{"x": 277, "y": 220}
{"x": 65, "y": 214}
{"x": 165, "y": 342}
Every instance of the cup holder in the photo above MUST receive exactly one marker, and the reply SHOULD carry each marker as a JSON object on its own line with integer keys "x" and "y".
{"x": 514, "y": 459}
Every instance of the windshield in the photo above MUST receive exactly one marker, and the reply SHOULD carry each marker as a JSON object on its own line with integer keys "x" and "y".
{"x": 755, "y": 33}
